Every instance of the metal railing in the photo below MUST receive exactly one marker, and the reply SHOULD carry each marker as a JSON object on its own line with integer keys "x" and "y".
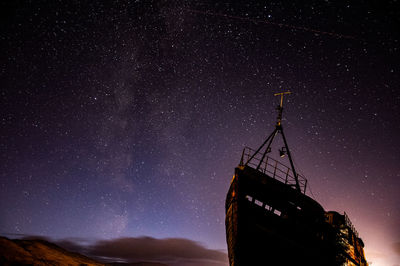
{"x": 272, "y": 168}
{"x": 349, "y": 224}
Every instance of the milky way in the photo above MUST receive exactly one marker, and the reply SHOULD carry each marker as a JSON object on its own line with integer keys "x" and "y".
{"x": 127, "y": 119}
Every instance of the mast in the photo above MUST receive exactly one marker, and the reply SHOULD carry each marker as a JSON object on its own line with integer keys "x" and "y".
{"x": 278, "y": 130}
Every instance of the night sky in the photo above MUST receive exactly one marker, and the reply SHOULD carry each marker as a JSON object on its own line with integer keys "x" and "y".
{"x": 127, "y": 118}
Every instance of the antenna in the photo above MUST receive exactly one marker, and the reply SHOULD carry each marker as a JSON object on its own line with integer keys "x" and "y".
{"x": 278, "y": 129}
{"x": 280, "y": 108}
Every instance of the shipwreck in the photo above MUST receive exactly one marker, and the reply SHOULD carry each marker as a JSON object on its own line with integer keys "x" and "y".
{"x": 270, "y": 220}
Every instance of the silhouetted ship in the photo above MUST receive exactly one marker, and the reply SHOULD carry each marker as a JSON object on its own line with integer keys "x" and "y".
{"x": 271, "y": 221}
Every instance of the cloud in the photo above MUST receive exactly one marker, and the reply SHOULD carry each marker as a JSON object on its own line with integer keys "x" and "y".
{"x": 70, "y": 245}
{"x": 169, "y": 251}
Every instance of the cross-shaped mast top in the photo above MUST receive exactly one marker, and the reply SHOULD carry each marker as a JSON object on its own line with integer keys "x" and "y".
{"x": 280, "y": 108}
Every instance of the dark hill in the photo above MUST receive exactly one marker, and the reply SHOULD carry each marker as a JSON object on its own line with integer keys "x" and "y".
{"x": 41, "y": 252}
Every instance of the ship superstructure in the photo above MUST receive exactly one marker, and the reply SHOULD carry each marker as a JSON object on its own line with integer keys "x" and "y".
{"x": 271, "y": 221}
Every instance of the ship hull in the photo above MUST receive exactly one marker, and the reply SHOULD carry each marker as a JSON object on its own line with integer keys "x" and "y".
{"x": 271, "y": 223}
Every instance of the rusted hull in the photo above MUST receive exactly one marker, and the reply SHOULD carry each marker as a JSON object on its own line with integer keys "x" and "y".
{"x": 270, "y": 223}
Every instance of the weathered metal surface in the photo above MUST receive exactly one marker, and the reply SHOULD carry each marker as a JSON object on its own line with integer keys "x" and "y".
{"x": 269, "y": 222}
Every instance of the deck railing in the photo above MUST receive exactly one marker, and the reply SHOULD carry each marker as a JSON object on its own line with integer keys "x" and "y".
{"x": 272, "y": 168}
{"x": 350, "y": 224}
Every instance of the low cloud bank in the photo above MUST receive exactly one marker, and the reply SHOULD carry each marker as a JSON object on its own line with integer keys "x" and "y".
{"x": 170, "y": 251}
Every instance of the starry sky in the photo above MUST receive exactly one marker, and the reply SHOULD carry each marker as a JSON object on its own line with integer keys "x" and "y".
{"x": 127, "y": 118}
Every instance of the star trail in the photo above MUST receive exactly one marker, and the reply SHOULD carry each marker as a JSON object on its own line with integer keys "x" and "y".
{"x": 127, "y": 118}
